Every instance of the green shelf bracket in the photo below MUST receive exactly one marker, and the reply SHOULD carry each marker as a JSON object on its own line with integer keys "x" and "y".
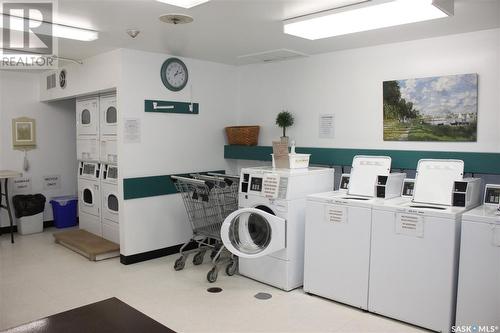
{"x": 171, "y": 107}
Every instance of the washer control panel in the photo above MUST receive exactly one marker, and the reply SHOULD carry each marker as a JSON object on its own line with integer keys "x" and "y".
{"x": 269, "y": 185}
{"x": 492, "y": 195}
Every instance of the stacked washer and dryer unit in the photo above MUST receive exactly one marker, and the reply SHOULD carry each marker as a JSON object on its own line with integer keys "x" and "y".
{"x": 96, "y": 119}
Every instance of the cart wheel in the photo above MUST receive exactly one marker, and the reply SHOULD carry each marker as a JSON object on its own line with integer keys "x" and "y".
{"x": 179, "y": 264}
{"x": 212, "y": 275}
{"x": 198, "y": 258}
{"x": 231, "y": 268}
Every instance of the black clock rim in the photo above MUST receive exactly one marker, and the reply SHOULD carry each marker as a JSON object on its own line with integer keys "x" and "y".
{"x": 164, "y": 74}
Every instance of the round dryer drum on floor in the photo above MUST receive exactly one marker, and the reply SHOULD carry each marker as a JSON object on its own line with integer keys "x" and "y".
{"x": 253, "y": 233}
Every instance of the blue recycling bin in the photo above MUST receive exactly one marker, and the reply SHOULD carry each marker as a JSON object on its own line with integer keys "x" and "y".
{"x": 65, "y": 210}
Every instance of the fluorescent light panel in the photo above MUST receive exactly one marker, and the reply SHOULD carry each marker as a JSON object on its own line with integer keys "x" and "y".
{"x": 184, "y": 3}
{"x": 367, "y": 16}
{"x": 58, "y": 30}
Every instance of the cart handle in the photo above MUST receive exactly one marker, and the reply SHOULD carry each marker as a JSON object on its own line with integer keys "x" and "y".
{"x": 194, "y": 181}
{"x": 217, "y": 177}
{"x": 223, "y": 175}
{"x": 211, "y": 181}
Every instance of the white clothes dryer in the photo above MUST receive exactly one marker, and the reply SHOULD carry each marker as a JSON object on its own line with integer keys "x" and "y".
{"x": 109, "y": 115}
{"x": 109, "y": 198}
{"x": 87, "y": 117}
{"x": 89, "y": 196}
{"x": 267, "y": 232}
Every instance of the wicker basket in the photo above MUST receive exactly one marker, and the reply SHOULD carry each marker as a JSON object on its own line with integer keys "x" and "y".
{"x": 243, "y": 135}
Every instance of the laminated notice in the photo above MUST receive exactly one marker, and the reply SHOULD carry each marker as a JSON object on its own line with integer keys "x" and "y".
{"x": 270, "y": 186}
{"x": 335, "y": 214}
{"x": 410, "y": 225}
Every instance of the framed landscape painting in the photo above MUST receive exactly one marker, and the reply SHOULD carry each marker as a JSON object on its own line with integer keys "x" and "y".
{"x": 431, "y": 109}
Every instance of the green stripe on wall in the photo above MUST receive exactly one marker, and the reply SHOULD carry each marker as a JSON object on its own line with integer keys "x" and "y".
{"x": 486, "y": 163}
{"x": 145, "y": 187}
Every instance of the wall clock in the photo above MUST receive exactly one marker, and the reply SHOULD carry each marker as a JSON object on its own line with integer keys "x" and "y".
{"x": 174, "y": 74}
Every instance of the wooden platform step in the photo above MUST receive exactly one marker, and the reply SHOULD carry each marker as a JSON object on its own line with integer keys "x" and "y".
{"x": 93, "y": 247}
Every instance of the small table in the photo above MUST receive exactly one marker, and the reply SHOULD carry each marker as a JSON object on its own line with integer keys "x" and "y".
{"x": 5, "y": 175}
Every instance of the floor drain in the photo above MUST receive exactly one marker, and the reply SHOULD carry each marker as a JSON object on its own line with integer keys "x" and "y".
{"x": 263, "y": 296}
{"x": 214, "y": 290}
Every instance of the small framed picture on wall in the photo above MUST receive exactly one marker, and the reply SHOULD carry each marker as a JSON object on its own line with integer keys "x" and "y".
{"x": 23, "y": 133}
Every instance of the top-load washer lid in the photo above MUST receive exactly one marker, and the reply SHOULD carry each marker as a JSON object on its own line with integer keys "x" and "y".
{"x": 253, "y": 233}
{"x": 364, "y": 172}
{"x": 435, "y": 179}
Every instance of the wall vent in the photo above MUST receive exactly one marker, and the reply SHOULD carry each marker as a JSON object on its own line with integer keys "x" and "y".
{"x": 270, "y": 56}
{"x": 51, "y": 81}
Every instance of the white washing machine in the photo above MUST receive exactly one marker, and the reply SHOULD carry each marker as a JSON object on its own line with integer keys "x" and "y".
{"x": 87, "y": 117}
{"x": 108, "y": 150}
{"x": 110, "y": 204}
{"x": 267, "y": 232}
{"x": 337, "y": 235}
{"x": 89, "y": 198}
{"x": 109, "y": 115}
{"x": 478, "y": 300}
{"x": 415, "y": 247}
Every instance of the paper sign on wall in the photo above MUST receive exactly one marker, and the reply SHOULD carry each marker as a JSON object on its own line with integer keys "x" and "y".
{"x": 52, "y": 182}
{"x": 21, "y": 185}
{"x": 132, "y": 130}
{"x": 326, "y": 126}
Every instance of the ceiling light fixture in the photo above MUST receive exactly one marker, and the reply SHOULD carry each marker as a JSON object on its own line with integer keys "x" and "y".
{"x": 184, "y": 3}
{"x": 367, "y": 15}
{"x": 52, "y": 29}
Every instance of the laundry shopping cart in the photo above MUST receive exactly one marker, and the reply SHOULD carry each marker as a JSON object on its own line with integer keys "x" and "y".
{"x": 209, "y": 199}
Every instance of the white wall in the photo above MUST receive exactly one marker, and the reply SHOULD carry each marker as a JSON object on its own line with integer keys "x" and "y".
{"x": 349, "y": 84}
{"x": 97, "y": 74}
{"x": 56, "y": 138}
{"x": 170, "y": 143}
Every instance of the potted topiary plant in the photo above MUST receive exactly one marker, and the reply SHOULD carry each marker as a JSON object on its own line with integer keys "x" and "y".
{"x": 284, "y": 120}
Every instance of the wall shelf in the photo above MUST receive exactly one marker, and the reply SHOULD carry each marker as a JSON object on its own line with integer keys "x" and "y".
{"x": 480, "y": 163}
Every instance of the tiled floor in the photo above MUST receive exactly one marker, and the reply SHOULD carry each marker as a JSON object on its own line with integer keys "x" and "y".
{"x": 40, "y": 278}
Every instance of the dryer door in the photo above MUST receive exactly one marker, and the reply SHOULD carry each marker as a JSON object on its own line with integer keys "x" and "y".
{"x": 253, "y": 233}
{"x": 109, "y": 115}
{"x": 89, "y": 199}
{"x": 87, "y": 117}
{"x": 110, "y": 206}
